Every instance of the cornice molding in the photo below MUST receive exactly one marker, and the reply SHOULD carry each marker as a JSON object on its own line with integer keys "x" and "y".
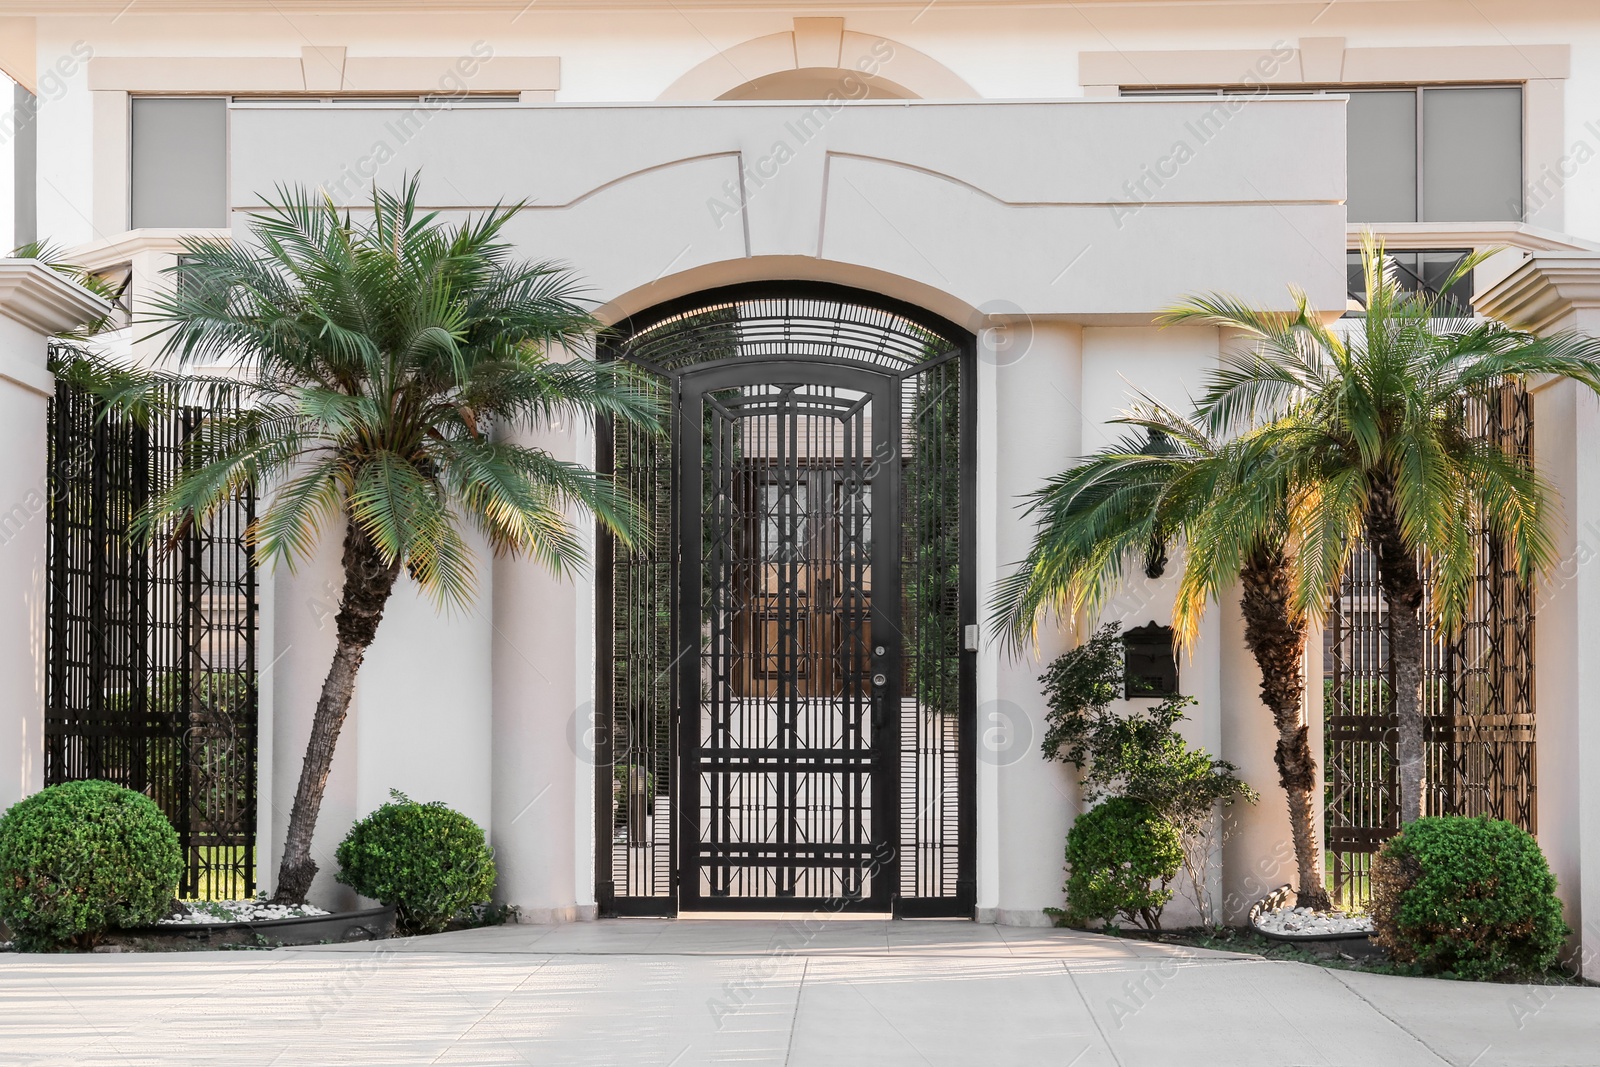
{"x": 121, "y": 248}
{"x": 325, "y": 69}
{"x": 1403, "y": 236}
{"x": 1324, "y": 61}
{"x": 1544, "y": 290}
{"x": 44, "y": 301}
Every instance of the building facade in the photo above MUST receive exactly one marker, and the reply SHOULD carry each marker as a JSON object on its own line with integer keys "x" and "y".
{"x": 1010, "y": 192}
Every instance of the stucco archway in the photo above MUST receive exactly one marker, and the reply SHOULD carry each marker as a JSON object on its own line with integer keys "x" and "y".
{"x": 793, "y": 268}
{"x": 783, "y": 673}
{"x": 823, "y": 44}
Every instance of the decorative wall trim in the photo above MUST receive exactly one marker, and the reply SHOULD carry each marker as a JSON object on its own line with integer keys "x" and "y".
{"x": 1324, "y": 61}
{"x": 1541, "y": 294}
{"x": 821, "y": 42}
{"x": 123, "y": 247}
{"x": 1402, "y": 236}
{"x": 325, "y": 68}
{"x": 19, "y": 52}
{"x": 42, "y": 300}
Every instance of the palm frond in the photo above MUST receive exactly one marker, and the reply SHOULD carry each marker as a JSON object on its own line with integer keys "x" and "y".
{"x": 380, "y": 356}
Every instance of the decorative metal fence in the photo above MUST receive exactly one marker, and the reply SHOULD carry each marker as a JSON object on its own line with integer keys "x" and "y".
{"x": 1478, "y": 694}
{"x": 151, "y": 679}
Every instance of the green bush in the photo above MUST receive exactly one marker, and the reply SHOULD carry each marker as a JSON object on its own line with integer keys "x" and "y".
{"x": 1121, "y": 856}
{"x": 82, "y": 858}
{"x": 1467, "y": 896}
{"x": 427, "y": 860}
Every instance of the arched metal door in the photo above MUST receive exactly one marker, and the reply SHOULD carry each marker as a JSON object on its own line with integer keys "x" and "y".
{"x": 785, "y": 694}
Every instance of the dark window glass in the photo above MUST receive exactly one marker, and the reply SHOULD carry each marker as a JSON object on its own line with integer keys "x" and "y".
{"x": 1424, "y": 271}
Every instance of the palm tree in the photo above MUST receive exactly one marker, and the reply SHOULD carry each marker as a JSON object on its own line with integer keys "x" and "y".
{"x": 1130, "y": 501}
{"x": 1370, "y": 428}
{"x": 382, "y": 366}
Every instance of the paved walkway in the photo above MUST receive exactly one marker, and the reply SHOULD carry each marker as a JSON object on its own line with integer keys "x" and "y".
{"x": 798, "y": 992}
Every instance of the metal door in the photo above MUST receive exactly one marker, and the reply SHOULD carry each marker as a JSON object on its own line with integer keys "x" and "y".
{"x": 789, "y": 662}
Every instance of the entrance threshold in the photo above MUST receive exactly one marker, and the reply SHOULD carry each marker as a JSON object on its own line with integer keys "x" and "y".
{"x": 790, "y": 916}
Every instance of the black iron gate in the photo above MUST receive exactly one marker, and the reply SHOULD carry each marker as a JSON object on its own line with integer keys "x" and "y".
{"x": 151, "y": 672}
{"x": 784, "y": 690}
{"x": 1478, "y": 696}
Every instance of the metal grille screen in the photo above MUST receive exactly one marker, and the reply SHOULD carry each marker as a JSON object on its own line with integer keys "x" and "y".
{"x": 151, "y": 679}
{"x": 1478, "y": 693}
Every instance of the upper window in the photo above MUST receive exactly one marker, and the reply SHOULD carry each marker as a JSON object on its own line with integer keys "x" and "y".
{"x": 180, "y": 162}
{"x": 1424, "y": 154}
{"x": 1417, "y": 271}
{"x": 1435, "y": 154}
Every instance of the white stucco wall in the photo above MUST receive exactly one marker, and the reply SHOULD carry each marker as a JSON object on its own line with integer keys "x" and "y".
{"x": 35, "y": 302}
{"x": 24, "y": 499}
{"x": 1037, "y": 384}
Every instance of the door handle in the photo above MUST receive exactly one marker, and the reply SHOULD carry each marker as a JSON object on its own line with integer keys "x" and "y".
{"x": 880, "y": 691}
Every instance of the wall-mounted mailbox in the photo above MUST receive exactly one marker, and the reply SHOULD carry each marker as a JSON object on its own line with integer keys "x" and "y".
{"x": 1150, "y": 662}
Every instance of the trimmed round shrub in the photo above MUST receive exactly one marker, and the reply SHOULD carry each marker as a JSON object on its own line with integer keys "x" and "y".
{"x": 1472, "y": 897}
{"x": 428, "y": 861}
{"x": 1121, "y": 856}
{"x": 81, "y": 858}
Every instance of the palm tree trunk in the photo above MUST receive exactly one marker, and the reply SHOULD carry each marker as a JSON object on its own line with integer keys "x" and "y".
{"x": 1277, "y": 639}
{"x": 1401, "y": 582}
{"x": 368, "y": 581}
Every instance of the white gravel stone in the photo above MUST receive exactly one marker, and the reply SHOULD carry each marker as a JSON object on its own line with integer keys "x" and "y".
{"x": 197, "y": 912}
{"x": 1306, "y": 923}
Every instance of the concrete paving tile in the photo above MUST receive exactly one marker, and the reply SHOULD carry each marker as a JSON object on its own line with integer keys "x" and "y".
{"x": 84, "y": 999}
{"x": 1033, "y": 941}
{"x": 610, "y": 1010}
{"x": 1243, "y": 1014}
{"x": 1489, "y": 1024}
{"x": 510, "y": 938}
{"x": 612, "y": 935}
{"x": 768, "y": 991}
{"x": 955, "y": 1011}
{"x": 761, "y": 936}
{"x": 946, "y": 938}
{"x": 323, "y": 1010}
{"x": 796, "y": 936}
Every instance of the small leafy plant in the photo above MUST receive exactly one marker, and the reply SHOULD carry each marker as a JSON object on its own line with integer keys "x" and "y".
{"x": 1121, "y": 858}
{"x": 1472, "y": 897}
{"x": 1139, "y": 755}
{"x": 83, "y": 858}
{"x": 427, "y": 860}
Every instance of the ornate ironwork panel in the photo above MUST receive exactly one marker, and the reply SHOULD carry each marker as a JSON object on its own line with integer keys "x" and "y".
{"x": 151, "y": 672}
{"x": 785, "y": 697}
{"x": 1477, "y": 690}
{"x": 790, "y": 669}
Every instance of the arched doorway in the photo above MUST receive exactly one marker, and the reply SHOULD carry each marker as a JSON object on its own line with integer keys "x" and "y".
{"x": 784, "y": 678}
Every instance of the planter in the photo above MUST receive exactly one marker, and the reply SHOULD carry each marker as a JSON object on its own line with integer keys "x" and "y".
{"x": 372, "y": 924}
{"x": 1355, "y": 943}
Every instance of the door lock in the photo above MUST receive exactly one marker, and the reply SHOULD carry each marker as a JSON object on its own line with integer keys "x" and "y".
{"x": 880, "y": 679}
